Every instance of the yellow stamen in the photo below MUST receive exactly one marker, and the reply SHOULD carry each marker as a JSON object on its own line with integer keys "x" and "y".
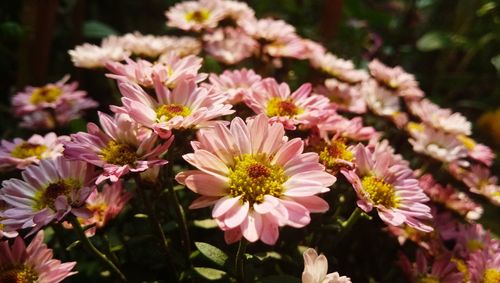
{"x": 47, "y": 196}
{"x": 25, "y": 150}
{"x": 18, "y": 274}
{"x": 428, "y": 279}
{"x": 118, "y": 153}
{"x": 474, "y": 245}
{"x": 45, "y": 94}
{"x": 169, "y": 111}
{"x": 417, "y": 127}
{"x": 469, "y": 143}
{"x": 379, "y": 192}
{"x": 491, "y": 275}
{"x": 331, "y": 153}
{"x": 280, "y": 107}
{"x": 462, "y": 267}
{"x": 253, "y": 176}
{"x": 198, "y": 16}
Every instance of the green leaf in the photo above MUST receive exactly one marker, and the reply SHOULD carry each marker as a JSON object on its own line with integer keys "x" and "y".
{"x": 96, "y": 29}
{"x": 212, "y": 253}
{"x": 279, "y": 278}
{"x": 433, "y": 40}
{"x": 205, "y": 223}
{"x": 210, "y": 273}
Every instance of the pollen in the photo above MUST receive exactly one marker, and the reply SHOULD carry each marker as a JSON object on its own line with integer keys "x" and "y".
{"x": 169, "y": 111}
{"x": 45, "y": 94}
{"x": 469, "y": 143}
{"x": 119, "y": 153}
{"x": 281, "y": 107}
{"x": 428, "y": 279}
{"x": 491, "y": 275}
{"x": 474, "y": 245}
{"x": 18, "y": 274}
{"x": 379, "y": 192}
{"x": 25, "y": 150}
{"x": 47, "y": 196}
{"x": 462, "y": 267}
{"x": 333, "y": 152}
{"x": 198, "y": 16}
{"x": 253, "y": 176}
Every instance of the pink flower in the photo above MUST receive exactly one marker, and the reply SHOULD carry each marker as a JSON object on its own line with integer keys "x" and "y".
{"x": 5, "y": 231}
{"x": 257, "y": 180}
{"x": 237, "y": 11}
{"x": 478, "y": 152}
{"x": 316, "y": 269}
{"x": 443, "y": 269}
{"x": 269, "y": 30}
{"x": 396, "y": 79}
{"x": 480, "y": 181}
{"x": 154, "y": 46}
{"x": 293, "y": 47}
{"x": 335, "y": 153}
{"x": 195, "y": 15}
{"x": 230, "y": 45}
{"x": 34, "y": 263}
{"x": 471, "y": 238}
{"x": 186, "y": 106}
{"x": 352, "y": 129}
{"x": 341, "y": 69}
{"x": 122, "y": 146}
{"x": 20, "y": 153}
{"x": 383, "y": 102}
{"x": 91, "y": 56}
{"x": 439, "y": 118}
{"x": 345, "y": 97}
{"x": 290, "y": 109}
{"x": 381, "y": 181}
{"x": 47, "y": 192}
{"x": 484, "y": 267}
{"x": 234, "y": 84}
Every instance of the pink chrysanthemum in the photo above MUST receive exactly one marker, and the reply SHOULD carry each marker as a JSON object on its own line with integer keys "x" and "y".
{"x": 152, "y": 46}
{"x": 237, "y": 11}
{"x": 186, "y": 106}
{"x": 20, "y": 153}
{"x": 47, "y": 192}
{"x": 34, "y": 263}
{"x": 396, "y": 79}
{"x": 440, "y": 118}
{"x": 480, "y": 181}
{"x": 122, "y": 146}
{"x": 345, "y": 97}
{"x": 257, "y": 179}
{"x": 334, "y": 153}
{"x": 316, "y": 269}
{"x": 477, "y": 151}
{"x": 230, "y": 45}
{"x": 443, "y": 269}
{"x": 484, "y": 267}
{"x": 381, "y": 181}
{"x": 5, "y": 231}
{"x": 290, "y": 109}
{"x": 91, "y": 56}
{"x": 351, "y": 129}
{"x": 234, "y": 84}
{"x": 341, "y": 69}
{"x": 383, "y": 102}
{"x": 269, "y": 30}
{"x": 471, "y": 238}
{"x": 195, "y": 15}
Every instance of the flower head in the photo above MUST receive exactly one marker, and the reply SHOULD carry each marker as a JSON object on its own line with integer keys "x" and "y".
{"x": 345, "y": 97}
{"x": 151, "y": 46}
{"x": 195, "y": 15}
{"x": 34, "y": 263}
{"x": 443, "y": 269}
{"x": 316, "y": 269}
{"x": 396, "y": 79}
{"x": 229, "y": 45}
{"x": 91, "y": 56}
{"x": 341, "y": 69}
{"x": 257, "y": 180}
{"x": 480, "y": 181}
{"x": 477, "y": 151}
{"x": 234, "y": 84}
{"x": 484, "y": 267}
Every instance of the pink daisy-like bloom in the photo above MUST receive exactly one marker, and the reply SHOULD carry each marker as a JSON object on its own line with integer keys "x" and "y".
{"x": 152, "y": 46}
{"x": 345, "y": 97}
{"x": 293, "y": 47}
{"x": 234, "y": 84}
{"x": 439, "y": 118}
{"x": 316, "y": 269}
{"x": 237, "y": 11}
{"x": 384, "y": 183}
{"x": 20, "y": 153}
{"x": 471, "y": 238}
{"x": 341, "y": 69}
{"x": 195, "y": 15}
{"x": 437, "y": 144}
{"x": 484, "y": 267}
{"x": 290, "y": 109}
{"x": 229, "y": 45}
{"x": 105, "y": 206}
{"x": 178, "y": 68}
{"x": 480, "y": 181}
{"x": 352, "y": 129}
{"x": 383, "y": 102}
{"x": 91, "y": 56}
{"x": 313, "y": 48}
{"x": 34, "y": 263}
{"x": 477, "y": 151}
{"x": 396, "y": 79}
{"x": 334, "y": 153}
{"x": 257, "y": 180}
{"x": 186, "y": 106}
{"x": 450, "y": 198}
{"x": 47, "y": 192}
{"x": 269, "y": 30}
{"x": 5, "y": 231}
{"x": 122, "y": 146}
{"x": 443, "y": 269}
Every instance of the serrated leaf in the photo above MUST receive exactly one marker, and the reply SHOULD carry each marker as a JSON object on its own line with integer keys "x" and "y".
{"x": 213, "y": 253}
{"x": 433, "y": 40}
{"x": 279, "y": 278}
{"x": 96, "y": 29}
{"x": 210, "y": 273}
{"x": 205, "y": 223}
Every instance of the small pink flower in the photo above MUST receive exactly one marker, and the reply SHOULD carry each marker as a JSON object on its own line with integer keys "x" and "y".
{"x": 152, "y": 46}
{"x": 257, "y": 180}
{"x": 484, "y": 267}
{"x": 20, "y": 153}
{"x": 293, "y": 47}
{"x": 91, "y": 56}
{"x": 382, "y": 181}
{"x": 230, "y": 45}
{"x": 396, "y": 79}
{"x": 477, "y": 151}
{"x": 341, "y": 69}
{"x": 471, "y": 238}
{"x": 480, "y": 181}
{"x": 186, "y": 106}
{"x": 269, "y": 30}
{"x": 316, "y": 269}
{"x": 290, "y": 109}
{"x": 122, "y": 146}
{"x": 234, "y": 84}
{"x": 237, "y": 11}
{"x": 352, "y": 129}
{"x": 47, "y": 192}
{"x": 34, "y": 263}
{"x": 5, "y": 231}
{"x": 383, "y": 102}
{"x": 443, "y": 269}
{"x": 195, "y": 15}
{"x": 345, "y": 97}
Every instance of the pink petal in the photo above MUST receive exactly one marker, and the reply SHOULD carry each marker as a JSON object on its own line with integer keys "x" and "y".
{"x": 236, "y": 215}
{"x": 224, "y": 205}
{"x": 252, "y": 227}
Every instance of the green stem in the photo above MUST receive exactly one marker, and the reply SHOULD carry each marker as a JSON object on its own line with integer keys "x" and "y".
{"x": 107, "y": 244}
{"x": 239, "y": 261}
{"x": 353, "y": 218}
{"x": 93, "y": 250}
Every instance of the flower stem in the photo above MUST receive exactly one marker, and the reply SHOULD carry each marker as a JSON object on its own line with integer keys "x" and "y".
{"x": 239, "y": 260}
{"x": 93, "y": 250}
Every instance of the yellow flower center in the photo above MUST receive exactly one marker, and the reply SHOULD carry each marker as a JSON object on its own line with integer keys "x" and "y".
{"x": 462, "y": 267}
{"x": 253, "y": 176}
{"x": 474, "y": 245}
{"x": 169, "y": 111}
{"x": 491, "y": 275}
{"x": 469, "y": 143}
{"x": 379, "y": 192}
{"x": 417, "y": 127}
{"x": 280, "y": 107}
{"x": 331, "y": 153}
{"x": 99, "y": 211}
{"x": 25, "y": 150}
{"x": 45, "y": 94}
{"x": 119, "y": 153}
{"x": 47, "y": 196}
{"x": 18, "y": 274}
{"x": 198, "y": 16}
{"x": 428, "y": 279}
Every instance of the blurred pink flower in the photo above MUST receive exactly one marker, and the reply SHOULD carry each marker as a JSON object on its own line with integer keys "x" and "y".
{"x": 5, "y": 231}
{"x": 345, "y": 97}
{"x": 477, "y": 151}
{"x": 122, "y": 146}
{"x": 480, "y": 181}
{"x": 34, "y": 263}
{"x": 352, "y": 129}
{"x": 396, "y": 79}
{"x": 269, "y": 30}
{"x": 484, "y": 267}
{"x": 152, "y": 46}
{"x": 234, "y": 84}
{"x": 257, "y": 180}
{"x": 443, "y": 269}
{"x": 195, "y": 15}
{"x": 341, "y": 69}
{"x": 316, "y": 269}
{"x": 91, "y": 56}
{"x": 229, "y": 45}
